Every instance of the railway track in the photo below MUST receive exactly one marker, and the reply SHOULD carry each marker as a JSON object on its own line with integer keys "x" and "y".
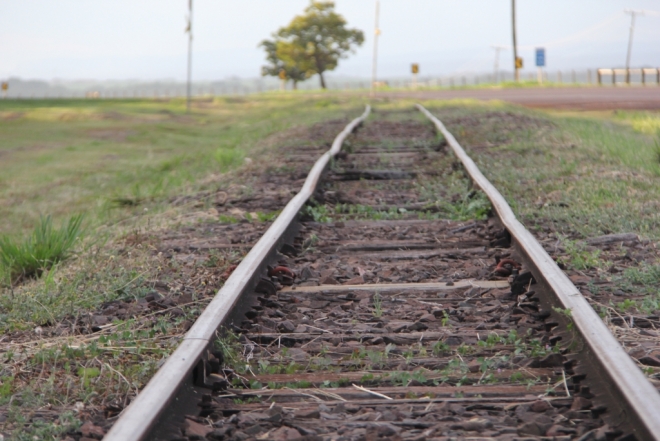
{"x": 363, "y": 314}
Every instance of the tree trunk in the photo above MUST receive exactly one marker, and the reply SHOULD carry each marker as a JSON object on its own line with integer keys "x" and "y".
{"x": 322, "y": 80}
{"x": 295, "y": 85}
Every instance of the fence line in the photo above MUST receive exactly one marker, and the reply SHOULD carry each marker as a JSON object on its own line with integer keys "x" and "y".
{"x": 602, "y": 77}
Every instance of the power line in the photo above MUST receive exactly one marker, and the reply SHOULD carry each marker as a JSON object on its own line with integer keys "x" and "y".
{"x": 573, "y": 37}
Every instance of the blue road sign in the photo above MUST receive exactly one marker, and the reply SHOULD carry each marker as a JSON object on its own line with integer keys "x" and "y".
{"x": 540, "y": 56}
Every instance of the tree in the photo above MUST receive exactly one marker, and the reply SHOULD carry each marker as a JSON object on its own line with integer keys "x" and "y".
{"x": 312, "y": 43}
{"x": 278, "y": 66}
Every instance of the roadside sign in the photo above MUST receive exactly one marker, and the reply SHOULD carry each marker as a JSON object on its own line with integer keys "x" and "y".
{"x": 540, "y": 56}
{"x": 414, "y": 68}
{"x": 5, "y": 86}
{"x": 519, "y": 63}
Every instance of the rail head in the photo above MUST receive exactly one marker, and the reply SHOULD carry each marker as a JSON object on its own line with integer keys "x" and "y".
{"x": 636, "y": 391}
{"x": 138, "y": 419}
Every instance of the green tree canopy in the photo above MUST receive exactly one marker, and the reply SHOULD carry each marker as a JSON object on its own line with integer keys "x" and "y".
{"x": 279, "y": 66}
{"x": 311, "y": 44}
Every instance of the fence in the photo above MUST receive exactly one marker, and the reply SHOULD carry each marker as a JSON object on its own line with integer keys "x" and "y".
{"x": 602, "y": 77}
{"x": 629, "y": 75}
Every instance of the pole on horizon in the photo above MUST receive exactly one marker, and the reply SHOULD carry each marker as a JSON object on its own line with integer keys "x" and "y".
{"x": 190, "y": 37}
{"x": 517, "y": 63}
{"x": 414, "y": 69}
{"x": 375, "y": 58}
{"x": 630, "y": 39}
{"x": 497, "y": 62}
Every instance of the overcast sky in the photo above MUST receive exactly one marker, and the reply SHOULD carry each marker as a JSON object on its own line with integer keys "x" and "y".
{"x": 145, "y": 40}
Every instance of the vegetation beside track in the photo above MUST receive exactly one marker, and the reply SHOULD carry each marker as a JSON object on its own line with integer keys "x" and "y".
{"x": 571, "y": 177}
{"x": 592, "y": 173}
{"x": 113, "y": 158}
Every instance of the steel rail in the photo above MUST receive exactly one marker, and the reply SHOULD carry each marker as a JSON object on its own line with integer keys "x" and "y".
{"x": 137, "y": 420}
{"x": 626, "y": 380}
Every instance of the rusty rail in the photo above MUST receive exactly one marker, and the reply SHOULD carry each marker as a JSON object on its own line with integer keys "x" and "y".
{"x": 627, "y": 384}
{"x": 138, "y": 419}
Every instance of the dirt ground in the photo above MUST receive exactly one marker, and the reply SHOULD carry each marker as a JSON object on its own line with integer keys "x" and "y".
{"x": 565, "y": 98}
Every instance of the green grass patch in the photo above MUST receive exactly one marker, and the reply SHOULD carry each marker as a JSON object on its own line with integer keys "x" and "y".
{"x": 44, "y": 248}
{"x": 583, "y": 174}
{"x": 111, "y": 159}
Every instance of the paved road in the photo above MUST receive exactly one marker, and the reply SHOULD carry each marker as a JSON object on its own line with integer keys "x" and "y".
{"x": 578, "y": 98}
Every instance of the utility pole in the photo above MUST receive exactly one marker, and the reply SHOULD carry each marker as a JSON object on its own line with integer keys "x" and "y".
{"x": 515, "y": 47}
{"x": 497, "y": 62}
{"x": 630, "y": 39}
{"x": 190, "y": 37}
{"x": 375, "y": 59}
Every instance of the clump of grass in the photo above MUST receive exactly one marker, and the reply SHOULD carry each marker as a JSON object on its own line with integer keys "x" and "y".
{"x": 579, "y": 258}
{"x": 317, "y": 212}
{"x": 472, "y": 205}
{"x": 228, "y": 158}
{"x": 45, "y": 247}
{"x": 645, "y": 275}
{"x": 378, "y": 306}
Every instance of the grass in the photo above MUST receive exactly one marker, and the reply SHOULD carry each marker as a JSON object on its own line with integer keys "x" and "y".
{"x": 584, "y": 174}
{"x": 378, "y": 305}
{"x": 579, "y": 258}
{"x": 44, "y": 248}
{"x": 111, "y": 159}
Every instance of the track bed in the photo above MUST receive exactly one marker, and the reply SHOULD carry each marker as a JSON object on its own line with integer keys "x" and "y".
{"x": 399, "y": 323}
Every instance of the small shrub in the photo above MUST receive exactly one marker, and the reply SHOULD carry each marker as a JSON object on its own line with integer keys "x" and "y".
{"x": 45, "y": 247}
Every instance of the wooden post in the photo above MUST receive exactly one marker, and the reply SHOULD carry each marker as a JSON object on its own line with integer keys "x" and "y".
{"x": 190, "y": 38}
{"x": 613, "y": 77}
{"x": 515, "y": 46}
{"x": 643, "y": 77}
